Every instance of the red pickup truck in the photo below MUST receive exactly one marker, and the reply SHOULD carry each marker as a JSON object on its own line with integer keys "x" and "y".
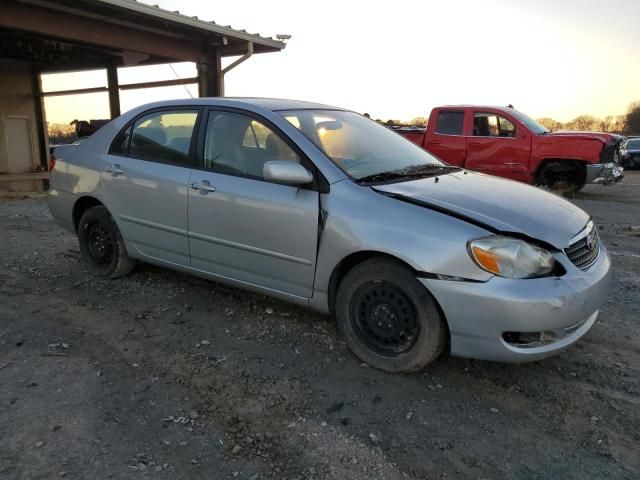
{"x": 505, "y": 142}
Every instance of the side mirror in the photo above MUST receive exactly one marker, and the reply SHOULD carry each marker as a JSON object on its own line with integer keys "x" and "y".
{"x": 290, "y": 173}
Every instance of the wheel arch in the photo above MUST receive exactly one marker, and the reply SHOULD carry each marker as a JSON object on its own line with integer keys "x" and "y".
{"x": 345, "y": 265}
{"x": 371, "y": 267}
{"x": 559, "y": 165}
{"x": 82, "y": 205}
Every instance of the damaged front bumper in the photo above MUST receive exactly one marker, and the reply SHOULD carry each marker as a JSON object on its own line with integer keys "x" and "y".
{"x": 604, "y": 173}
{"x": 510, "y": 320}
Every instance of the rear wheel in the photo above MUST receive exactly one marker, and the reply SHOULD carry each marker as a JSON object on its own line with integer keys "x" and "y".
{"x": 388, "y": 318}
{"x": 102, "y": 244}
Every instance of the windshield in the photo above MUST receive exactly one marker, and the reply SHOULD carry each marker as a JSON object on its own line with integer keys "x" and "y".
{"x": 359, "y": 146}
{"x": 633, "y": 145}
{"x": 529, "y": 122}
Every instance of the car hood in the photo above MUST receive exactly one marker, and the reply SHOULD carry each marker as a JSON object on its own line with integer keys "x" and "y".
{"x": 606, "y": 138}
{"x": 502, "y": 205}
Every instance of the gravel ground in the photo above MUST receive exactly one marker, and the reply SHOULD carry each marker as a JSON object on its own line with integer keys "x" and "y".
{"x": 162, "y": 375}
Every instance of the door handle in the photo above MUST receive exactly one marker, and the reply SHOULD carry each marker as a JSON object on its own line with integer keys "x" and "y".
{"x": 203, "y": 186}
{"x": 114, "y": 170}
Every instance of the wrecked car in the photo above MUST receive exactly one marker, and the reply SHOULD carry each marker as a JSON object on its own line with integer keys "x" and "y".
{"x": 630, "y": 153}
{"x": 325, "y": 208}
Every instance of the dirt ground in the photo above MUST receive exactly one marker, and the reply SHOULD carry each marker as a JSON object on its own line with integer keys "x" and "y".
{"x": 162, "y": 375}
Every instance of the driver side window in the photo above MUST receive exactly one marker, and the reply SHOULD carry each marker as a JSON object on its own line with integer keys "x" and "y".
{"x": 237, "y": 144}
{"x": 491, "y": 125}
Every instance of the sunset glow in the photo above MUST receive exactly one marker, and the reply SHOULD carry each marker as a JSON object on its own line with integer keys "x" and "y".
{"x": 556, "y": 59}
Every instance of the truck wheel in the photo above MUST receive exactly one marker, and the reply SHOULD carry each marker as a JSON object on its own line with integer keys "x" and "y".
{"x": 102, "y": 244}
{"x": 388, "y": 318}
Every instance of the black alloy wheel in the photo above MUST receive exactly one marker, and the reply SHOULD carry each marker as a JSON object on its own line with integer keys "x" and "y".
{"x": 388, "y": 317}
{"x": 102, "y": 244}
{"x": 384, "y": 318}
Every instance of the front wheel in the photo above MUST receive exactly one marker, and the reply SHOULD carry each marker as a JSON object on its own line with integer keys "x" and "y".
{"x": 388, "y": 318}
{"x": 102, "y": 244}
{"x": 564, "y": 178}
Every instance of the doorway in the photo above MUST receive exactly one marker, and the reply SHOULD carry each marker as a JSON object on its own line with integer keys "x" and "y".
{"x": 19, "y": 141}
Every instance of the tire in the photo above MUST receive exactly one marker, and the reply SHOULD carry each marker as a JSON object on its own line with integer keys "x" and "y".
{"x": 380, "y": 290}
{"x": 102, "y": 245}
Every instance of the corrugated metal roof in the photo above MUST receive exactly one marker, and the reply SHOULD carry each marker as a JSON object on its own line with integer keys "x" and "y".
{"x": 194, "y": 22}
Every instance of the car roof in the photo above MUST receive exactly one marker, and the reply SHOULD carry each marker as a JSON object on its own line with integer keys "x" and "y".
{"x": 478, "y": 107}
{"x": 273, "y": 104}
{"x": 276, "y": 104}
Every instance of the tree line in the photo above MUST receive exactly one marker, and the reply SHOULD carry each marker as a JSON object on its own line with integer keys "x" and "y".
{"x": 629, "y": 123}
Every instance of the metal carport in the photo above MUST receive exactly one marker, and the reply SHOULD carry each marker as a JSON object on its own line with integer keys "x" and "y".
{"x": 47, "y": 36}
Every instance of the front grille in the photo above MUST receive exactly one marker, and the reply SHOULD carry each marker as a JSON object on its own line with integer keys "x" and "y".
{"x": 608, "y": 153}
{"x": 585, "y": 251}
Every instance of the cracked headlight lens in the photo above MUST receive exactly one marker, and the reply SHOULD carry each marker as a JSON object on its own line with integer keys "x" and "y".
{"x": 511, "y": 257}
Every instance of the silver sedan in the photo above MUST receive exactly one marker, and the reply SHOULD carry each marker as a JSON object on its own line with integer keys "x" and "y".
{"x": 323, "y": 207}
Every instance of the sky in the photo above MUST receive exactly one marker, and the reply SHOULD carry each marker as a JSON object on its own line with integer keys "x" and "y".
{"x": 549, "y": 58}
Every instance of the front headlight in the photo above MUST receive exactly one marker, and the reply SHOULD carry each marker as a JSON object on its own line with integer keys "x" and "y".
{"x": 511, "y": 257}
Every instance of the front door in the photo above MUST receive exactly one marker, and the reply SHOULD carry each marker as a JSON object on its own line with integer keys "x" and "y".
{"x": 145, "y": 180}
{"x": 497, "y": 147}
{"x": 241, "y": 226}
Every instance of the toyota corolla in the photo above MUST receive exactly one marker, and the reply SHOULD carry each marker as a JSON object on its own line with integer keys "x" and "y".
{"x": 323, "y": 207}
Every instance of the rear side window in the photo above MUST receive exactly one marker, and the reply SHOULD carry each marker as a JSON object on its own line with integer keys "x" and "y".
{"x": 163, "y": 136}
{"x": 450, "y": 123}
{"x": 120, "y": 145}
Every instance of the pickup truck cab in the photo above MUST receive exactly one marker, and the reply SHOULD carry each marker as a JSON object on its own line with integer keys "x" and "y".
{"x": 505, "y": 142}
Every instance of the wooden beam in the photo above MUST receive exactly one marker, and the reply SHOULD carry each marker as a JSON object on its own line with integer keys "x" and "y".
{"x": 210, "y": 73}
{"x": 160, "y": 83}
{"x": 128, "y": 86}
{"x": 23, "y": 177}
{"x": 75, "y": 91}
{"x": 66, "y": 26}
{"x": 41, "y": 133}
{"x": 114, "y": 90}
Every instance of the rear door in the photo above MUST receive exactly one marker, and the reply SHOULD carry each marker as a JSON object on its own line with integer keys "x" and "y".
{"x": 145, "y": 179}
{"x": 498, "y": 147}
{"x": 446, "y": 138}
{"x": 241, "y": 226}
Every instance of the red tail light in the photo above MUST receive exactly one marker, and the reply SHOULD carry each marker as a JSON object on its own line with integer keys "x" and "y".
{"x": 52, "y": 163}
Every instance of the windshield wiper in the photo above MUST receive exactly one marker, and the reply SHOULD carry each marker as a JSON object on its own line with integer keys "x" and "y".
{"x": 415, "y": 171}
